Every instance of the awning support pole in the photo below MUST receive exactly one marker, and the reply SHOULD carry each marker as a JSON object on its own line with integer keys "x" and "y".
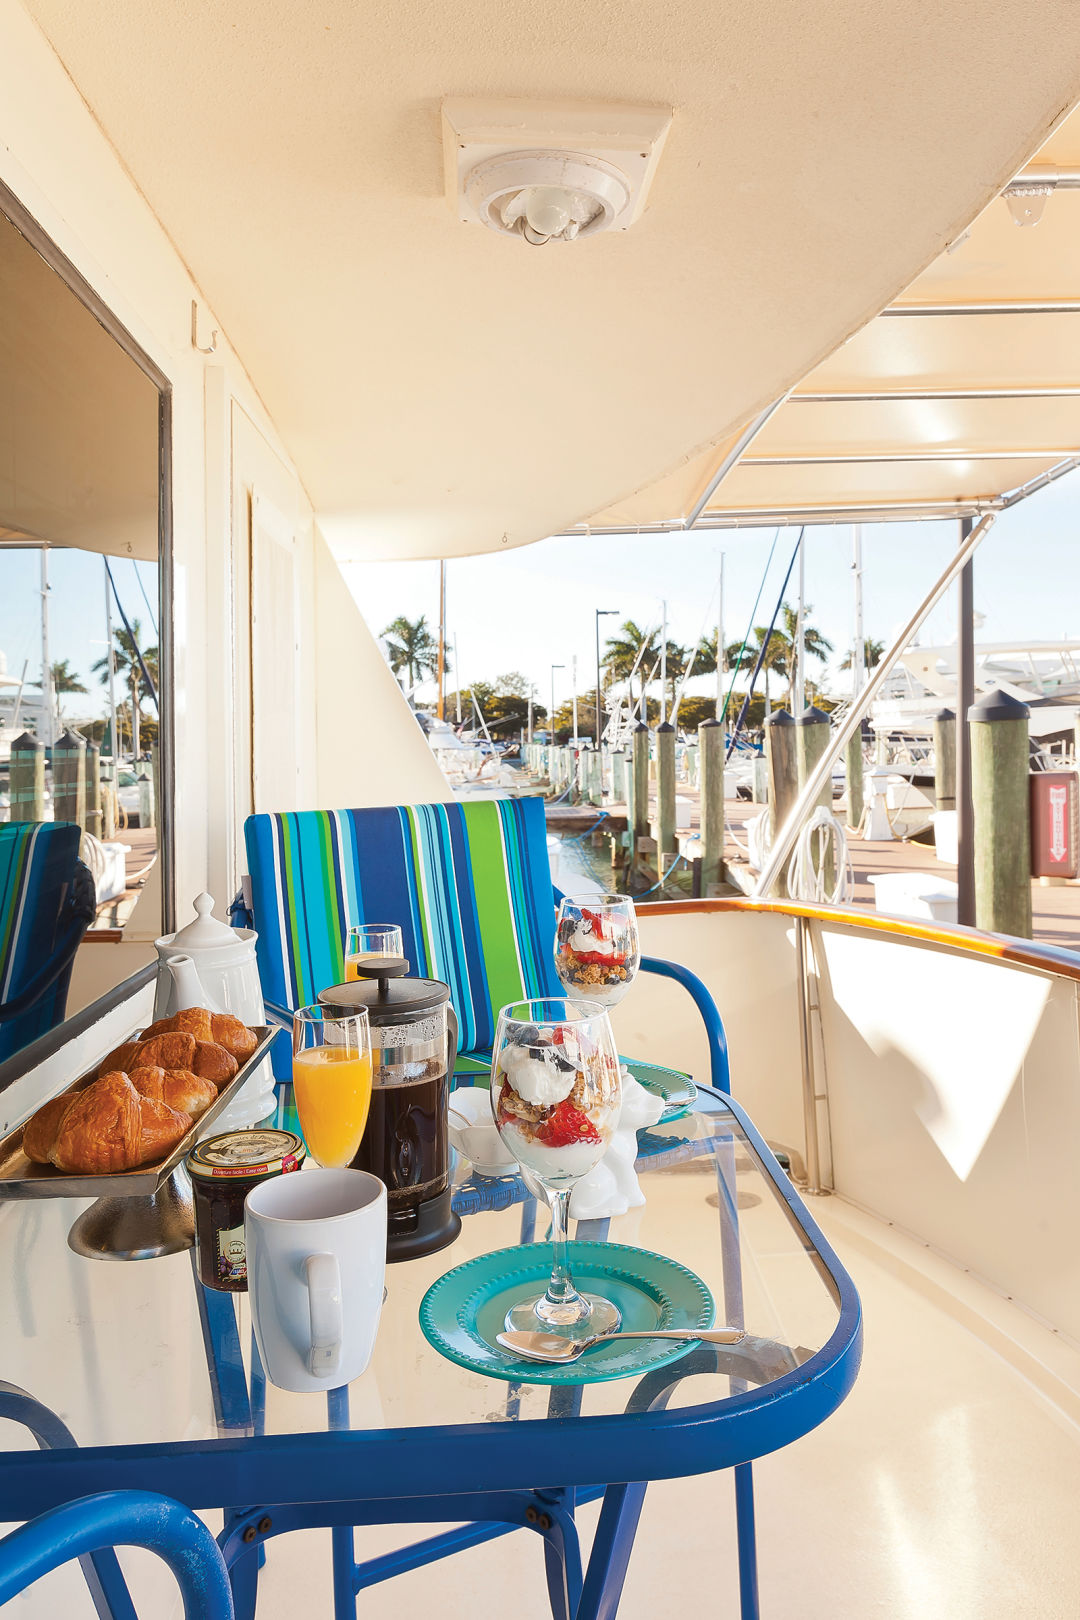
{"x": 780, "y": 853}
{"x": 965, "y": 697}
{"x": 746, "y": 438}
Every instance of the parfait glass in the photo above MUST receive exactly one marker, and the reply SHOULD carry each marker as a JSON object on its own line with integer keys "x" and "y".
{"x": 556, "y": 1095}
{"x": 368, "y": 942}
{"x": 596, "y": 947}
{"x": 332, "y": 1082}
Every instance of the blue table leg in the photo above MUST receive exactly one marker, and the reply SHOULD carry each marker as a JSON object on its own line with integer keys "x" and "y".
{"x": 342, "y": 1537}
{"x": 611, "y": 1549}
{"x": 734, "y": 1315}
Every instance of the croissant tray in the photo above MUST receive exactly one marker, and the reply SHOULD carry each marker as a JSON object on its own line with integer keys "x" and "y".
{"x": 20, "y": 1178}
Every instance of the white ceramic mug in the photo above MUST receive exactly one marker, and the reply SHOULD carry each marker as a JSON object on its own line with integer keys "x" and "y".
{"x": 316, "y": 1258}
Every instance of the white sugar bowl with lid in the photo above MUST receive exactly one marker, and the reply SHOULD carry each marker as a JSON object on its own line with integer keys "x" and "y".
{"x": 223, "y": 959}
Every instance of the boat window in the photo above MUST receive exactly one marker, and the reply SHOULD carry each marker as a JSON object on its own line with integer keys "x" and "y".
{"x": 84, "y": 626}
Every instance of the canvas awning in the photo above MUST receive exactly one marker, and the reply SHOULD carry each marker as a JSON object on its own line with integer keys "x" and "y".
{"x": 958, "y": 398}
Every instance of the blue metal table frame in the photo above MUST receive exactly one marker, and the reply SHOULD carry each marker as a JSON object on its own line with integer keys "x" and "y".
{"x": 270, "y": 1484}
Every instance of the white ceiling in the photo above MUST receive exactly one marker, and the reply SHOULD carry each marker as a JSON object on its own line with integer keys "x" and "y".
{"x": 446, "y": 391}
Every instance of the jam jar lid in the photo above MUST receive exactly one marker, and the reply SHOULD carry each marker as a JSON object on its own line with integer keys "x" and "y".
{"x": 247, "y": 1153}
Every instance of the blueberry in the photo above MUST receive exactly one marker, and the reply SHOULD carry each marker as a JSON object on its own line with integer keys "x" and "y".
{"x": 523, "y": 1034}
{"x": 564, "y": 1064}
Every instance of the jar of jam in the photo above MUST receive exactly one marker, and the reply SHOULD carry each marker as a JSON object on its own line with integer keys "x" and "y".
{"x": 223, "y": 1170}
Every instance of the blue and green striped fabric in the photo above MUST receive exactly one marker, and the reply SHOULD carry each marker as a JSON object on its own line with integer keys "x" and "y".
{"x": 468, "y": 883}
{"x": 37, "y": 869}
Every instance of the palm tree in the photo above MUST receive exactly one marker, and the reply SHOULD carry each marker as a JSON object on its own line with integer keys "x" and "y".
{"x": 873, "y": 652}
{"x": 128, "y": 669}
{"x": 64, "y": 679}
{"x": 622, "y": 650}
{"x": 777, "y": 660}
{"x": 815, "y": 645}
{"x": 410, "y": 646}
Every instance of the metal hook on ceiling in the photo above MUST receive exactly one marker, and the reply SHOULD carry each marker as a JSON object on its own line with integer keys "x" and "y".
{"x": 195, "y": 344}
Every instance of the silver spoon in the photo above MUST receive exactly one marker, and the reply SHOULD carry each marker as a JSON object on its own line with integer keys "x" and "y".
{"x": 553, "y": 1347}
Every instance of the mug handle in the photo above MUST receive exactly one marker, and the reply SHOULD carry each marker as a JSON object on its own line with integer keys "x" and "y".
{"x": 323, "y": 1278}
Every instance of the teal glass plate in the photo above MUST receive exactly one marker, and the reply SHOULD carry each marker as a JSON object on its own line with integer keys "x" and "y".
{"x": 678, "y": 1090}
{"x": 462, "y": 1312}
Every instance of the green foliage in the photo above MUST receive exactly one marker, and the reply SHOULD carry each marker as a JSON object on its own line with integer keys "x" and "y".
{"x": 874, "y": 651}
{"x": 410, "y": 646}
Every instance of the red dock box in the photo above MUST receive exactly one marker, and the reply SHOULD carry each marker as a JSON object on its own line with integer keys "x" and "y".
{"x": 1055, "y": 823}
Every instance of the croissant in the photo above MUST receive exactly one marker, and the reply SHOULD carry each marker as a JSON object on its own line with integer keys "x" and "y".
{"x": 178, "y": 1087}
{"x": 103, "y": 1129}
{"x": 191, "y": 1021}
{"x": 39, "y": 1132}
{"x": 211, "y": 1061}
{"x": 119, "y": 1061}
{"x": 223, "y": 1029}
{"x": 172, "y": 1051}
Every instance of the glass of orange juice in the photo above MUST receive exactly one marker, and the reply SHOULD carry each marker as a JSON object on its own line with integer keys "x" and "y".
{"x": 332, "y": 1082}
{"x": 368, "y": 942}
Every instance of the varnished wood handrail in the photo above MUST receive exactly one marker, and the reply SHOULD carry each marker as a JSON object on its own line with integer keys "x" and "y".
{"x": 1002, "y": 947}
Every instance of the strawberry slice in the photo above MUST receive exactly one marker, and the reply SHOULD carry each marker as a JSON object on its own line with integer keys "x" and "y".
{"x": 566, "y": 1124}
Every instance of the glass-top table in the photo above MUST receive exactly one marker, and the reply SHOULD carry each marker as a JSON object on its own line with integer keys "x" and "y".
{"x": 137, "y": 1376}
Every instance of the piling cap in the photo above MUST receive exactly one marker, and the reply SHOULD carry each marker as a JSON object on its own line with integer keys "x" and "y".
{"x": 27, "y": 744}
{"x": 641, "y": 726}
{"x": 997, "y": 705}
{"x": 705, "y": 723}
{"x": 70, "y": 740}
{"x": 779, "y": 717}
{"x": 665, "y": 728}
{"x": 945, "y": 715}
{"x": 813, "y": 716}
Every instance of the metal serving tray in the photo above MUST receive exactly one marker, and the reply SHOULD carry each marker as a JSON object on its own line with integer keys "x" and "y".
{"x": 20, "y": 1178}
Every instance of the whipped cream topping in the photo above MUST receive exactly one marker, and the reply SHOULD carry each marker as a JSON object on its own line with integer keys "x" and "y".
{"x": 537, "y": 1080}
{"x": 582, "y": 941}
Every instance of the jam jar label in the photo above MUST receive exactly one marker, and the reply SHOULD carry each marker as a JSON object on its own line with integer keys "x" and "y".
{"x": 232, "y": 1255}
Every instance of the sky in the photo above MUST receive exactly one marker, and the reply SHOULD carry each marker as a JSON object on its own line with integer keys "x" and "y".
{"x": 533, "y": 607}
{"x": 76, "y": 615}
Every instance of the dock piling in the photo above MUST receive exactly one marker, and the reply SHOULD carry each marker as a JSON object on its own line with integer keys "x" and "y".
{"x": 92, "y": 788}
{"x": 999, "y": 791}
{"x": 945, "y": 759}
{"x": 665, "y": 788}
{"x": 69, "y": 789}
{"x": 27, "y": 778}
{"x": 780, "y": 750}
{"x": 711, "y": 760}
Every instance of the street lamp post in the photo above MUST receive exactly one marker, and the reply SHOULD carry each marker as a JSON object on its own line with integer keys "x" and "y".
{"x": 601, "y": 613}
{"x": 551, "y": 715}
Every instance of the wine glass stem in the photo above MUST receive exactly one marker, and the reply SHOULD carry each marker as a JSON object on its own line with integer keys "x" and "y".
{"x": 560, "y": 1289}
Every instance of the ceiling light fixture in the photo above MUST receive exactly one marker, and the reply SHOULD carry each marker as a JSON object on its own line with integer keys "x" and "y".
{"x": 547, "y": 196}
{"x": 550, "y": 171}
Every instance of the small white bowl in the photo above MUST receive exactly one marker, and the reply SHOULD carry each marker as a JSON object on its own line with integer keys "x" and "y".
{"x": 475, "y": 1134}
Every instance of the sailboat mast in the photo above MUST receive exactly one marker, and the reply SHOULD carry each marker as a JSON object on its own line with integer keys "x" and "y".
{"x": 663, "y": 663}
{"x": 48, "y": 734}
{"x": 800, "y": 636}
{"x": 441, "y": 667}
{"x": 720, "y": 658}
{"x": 111, "y": 655}
{"x": 858, "y": 661}
{"x": 457, "y": 669}
{"x": 573, "y": 685}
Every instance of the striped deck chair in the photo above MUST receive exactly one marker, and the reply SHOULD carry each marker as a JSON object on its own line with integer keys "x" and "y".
{"x": 469, "y": 884}
{"x": 46, "y": 903}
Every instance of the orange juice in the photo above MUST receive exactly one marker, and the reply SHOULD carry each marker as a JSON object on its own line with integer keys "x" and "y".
{"x": 365, "y": 958}
{"x": 333, "y": 1095}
